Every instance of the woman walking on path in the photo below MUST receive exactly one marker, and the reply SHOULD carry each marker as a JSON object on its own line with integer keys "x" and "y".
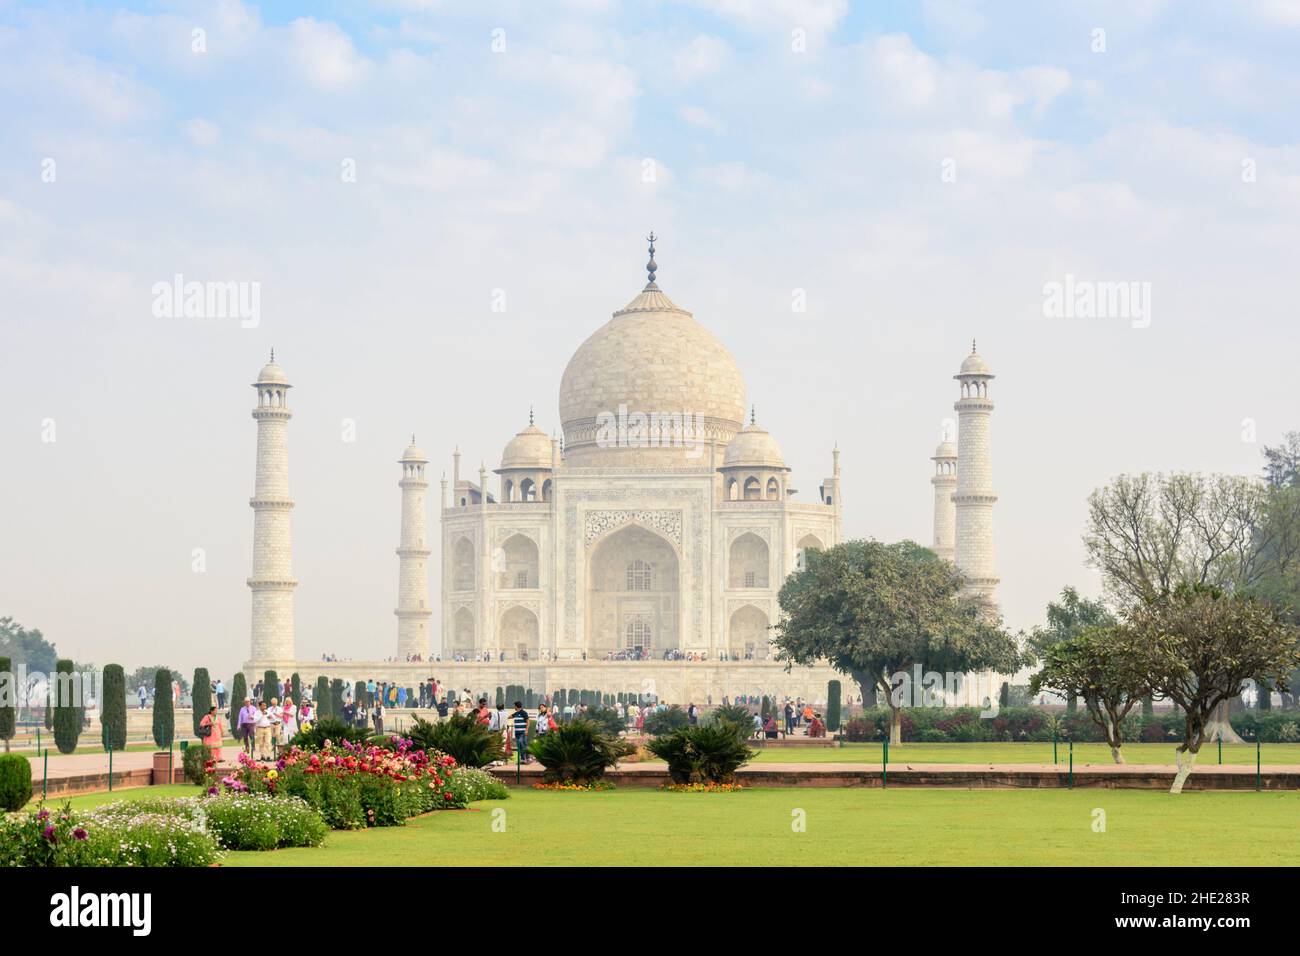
{"x": 215, "y": 733}
{"x": 289, "y": 714}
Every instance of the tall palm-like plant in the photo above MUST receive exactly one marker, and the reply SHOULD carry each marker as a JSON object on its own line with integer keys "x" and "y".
{"x": 578, "y": 752}
{"x": 709, "y": 753}
{"x": 461, "y": 737}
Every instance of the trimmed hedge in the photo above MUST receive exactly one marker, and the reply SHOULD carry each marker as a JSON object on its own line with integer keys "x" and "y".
{"x": 15, "y": 782}
{"x": 238, "y": 691}
{"x": 194, "y": 762}
{"x": 833, "y": 706}
{"x": 200, "y": 696}
{"x": 67, "y": 715}
{"x": 112, "y": 709}
{"x": 321, "y": 699}
{"x": 270, "y": 686}
{"x": 164, "y": 716}
{"x": 964, "y": 725}
{"x": 8, "y": 711}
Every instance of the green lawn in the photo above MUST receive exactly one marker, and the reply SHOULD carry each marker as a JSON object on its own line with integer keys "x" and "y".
{"x": 1137, "y": 753}
{"x": 640, "y": 827}
{"x": 634, "y": 827}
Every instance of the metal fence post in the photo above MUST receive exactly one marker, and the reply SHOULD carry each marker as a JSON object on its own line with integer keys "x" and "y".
{"x": 1053, "y": 747}
{"x": 45, "y": 777}
{"x": 519, "y": 762}
{"x": 1220, "y": 750}
{"x": 884, "y": 765}
{"x": 1258, "y": 781}
{"x": 1071, "y": 763}
{"x": 110, "y": 769}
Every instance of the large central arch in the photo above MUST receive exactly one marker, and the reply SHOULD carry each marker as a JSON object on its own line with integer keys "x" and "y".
{"x": 633, "y": 594}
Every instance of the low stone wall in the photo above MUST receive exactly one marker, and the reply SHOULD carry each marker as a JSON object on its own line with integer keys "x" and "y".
{"x": 59, "y": 787}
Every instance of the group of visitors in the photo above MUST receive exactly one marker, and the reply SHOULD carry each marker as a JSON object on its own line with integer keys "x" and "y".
{"x": 261, "y": 728}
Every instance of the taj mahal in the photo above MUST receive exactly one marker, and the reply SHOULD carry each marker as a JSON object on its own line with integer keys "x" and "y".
{"x": 642, "y": 551}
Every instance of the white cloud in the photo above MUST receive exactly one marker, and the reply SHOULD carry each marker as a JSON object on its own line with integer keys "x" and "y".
{"x": 698, "y": 116}
{"x": 818, "y": 18}
{"x": 202, "y": 132}
{"x": 324, "y": 55}
{"x": 732, "y": 177}
{"x": 703, "y": 56}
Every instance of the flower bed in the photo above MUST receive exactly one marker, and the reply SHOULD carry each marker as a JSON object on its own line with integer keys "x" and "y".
{"x": 354, "y": 785}
{"x": 127, "y": 836}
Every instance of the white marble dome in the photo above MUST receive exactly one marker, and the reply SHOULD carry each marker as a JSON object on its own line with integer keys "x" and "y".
{"x": 654, "y": 358}
{"x": 754, "y": 447}
{"x": 946, "y": 449}
{"x": 974, "y": 364}
{"x": 413, "y": 452}
{"x": 272, "y": 374}
{"x": 531, "y": 448}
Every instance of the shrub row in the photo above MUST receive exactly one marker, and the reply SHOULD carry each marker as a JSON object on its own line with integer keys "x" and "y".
{"x": 965, "y": 725}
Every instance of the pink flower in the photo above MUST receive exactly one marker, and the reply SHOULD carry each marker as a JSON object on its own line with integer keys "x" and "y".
{"x": 80, "y": 833}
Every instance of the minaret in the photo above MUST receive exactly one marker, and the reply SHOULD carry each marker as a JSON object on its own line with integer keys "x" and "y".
{"x": 945, "y": 512}
{"x": 413, "y": 575}
{"x": 974, "y": 497}
{"x": 272, "y": 581}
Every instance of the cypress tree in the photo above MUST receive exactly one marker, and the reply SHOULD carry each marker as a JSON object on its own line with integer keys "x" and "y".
{"x": 201, "y": 697}
{"x": 833, "y": 706}
{"x": 321, "y": 699}
{"x": 336, "y": 698}
{"x": 1004, "y": 695}
{"x": 67, "y": 715}
{"x": 1148, "y": 706}
{"x": 238, "y": 691}
{"x": 359, "y": 694}
{"x": 8, "y": 703}
{"x": 112, "y": 708}
{"x": 295, "y": 689}
{"x": 501, "y": 696}
{"x": 164, "y": 716}
{"x": 270, "y": 686}
{"x": 1265, "y": 701}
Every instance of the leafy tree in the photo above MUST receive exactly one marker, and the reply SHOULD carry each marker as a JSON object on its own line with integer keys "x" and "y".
{"x": 1104, "y": 667}
{"x": 238, "y": 691}
{"x": 1067, "y": 619}
{"x": 1201, "y": 647}
{"x": 665, "y": 721}
{"x": 873, "y": 610}
{"x": 65, "y": 693}
{"x": 8, "y": 701}
{"x": 112, "y": 709}
{"x": 147, "y": 677}
{"x": 201, "y": 697}
{"x": 295, "y": 689}
{"x": 1282, "y": 462}
{"x": 25, "y": 647}
{"x": 1149, "y": 534}
{"x": 164, "y": 716}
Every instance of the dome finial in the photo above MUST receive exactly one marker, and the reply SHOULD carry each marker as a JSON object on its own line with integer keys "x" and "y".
{"x": 273, "y": 353}
{"x": 651, "y": 267}
{"x": 530, "y": 415}
{"x": 972, "y": 346}
{"x": 753, "y": 415}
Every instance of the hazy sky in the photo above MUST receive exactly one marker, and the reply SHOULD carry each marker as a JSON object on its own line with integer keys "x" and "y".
{"x": 919, "y": 170}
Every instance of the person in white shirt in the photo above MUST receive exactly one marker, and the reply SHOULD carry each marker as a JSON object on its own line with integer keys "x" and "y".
{"x": 289, "y": 715}
{"x": 262, "y": 732}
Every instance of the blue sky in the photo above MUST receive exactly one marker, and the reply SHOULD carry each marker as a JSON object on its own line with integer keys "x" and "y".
{"x": 778, "y": 166}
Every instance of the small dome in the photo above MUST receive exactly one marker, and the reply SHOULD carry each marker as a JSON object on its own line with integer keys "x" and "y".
{"x": 753, "y": 447}
{"x": 531, "y": 448}
{"x": 946, "y": 449}
{"x": 413, "y": 453}
{"x": 974, "y": 364}
{"x": 272, "y": 374}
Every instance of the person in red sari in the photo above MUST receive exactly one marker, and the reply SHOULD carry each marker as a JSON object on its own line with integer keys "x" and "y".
{"x": 216, "y": 735}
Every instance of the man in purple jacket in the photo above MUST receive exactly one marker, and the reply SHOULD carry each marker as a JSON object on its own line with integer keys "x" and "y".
{"x": 247, "y": 716}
